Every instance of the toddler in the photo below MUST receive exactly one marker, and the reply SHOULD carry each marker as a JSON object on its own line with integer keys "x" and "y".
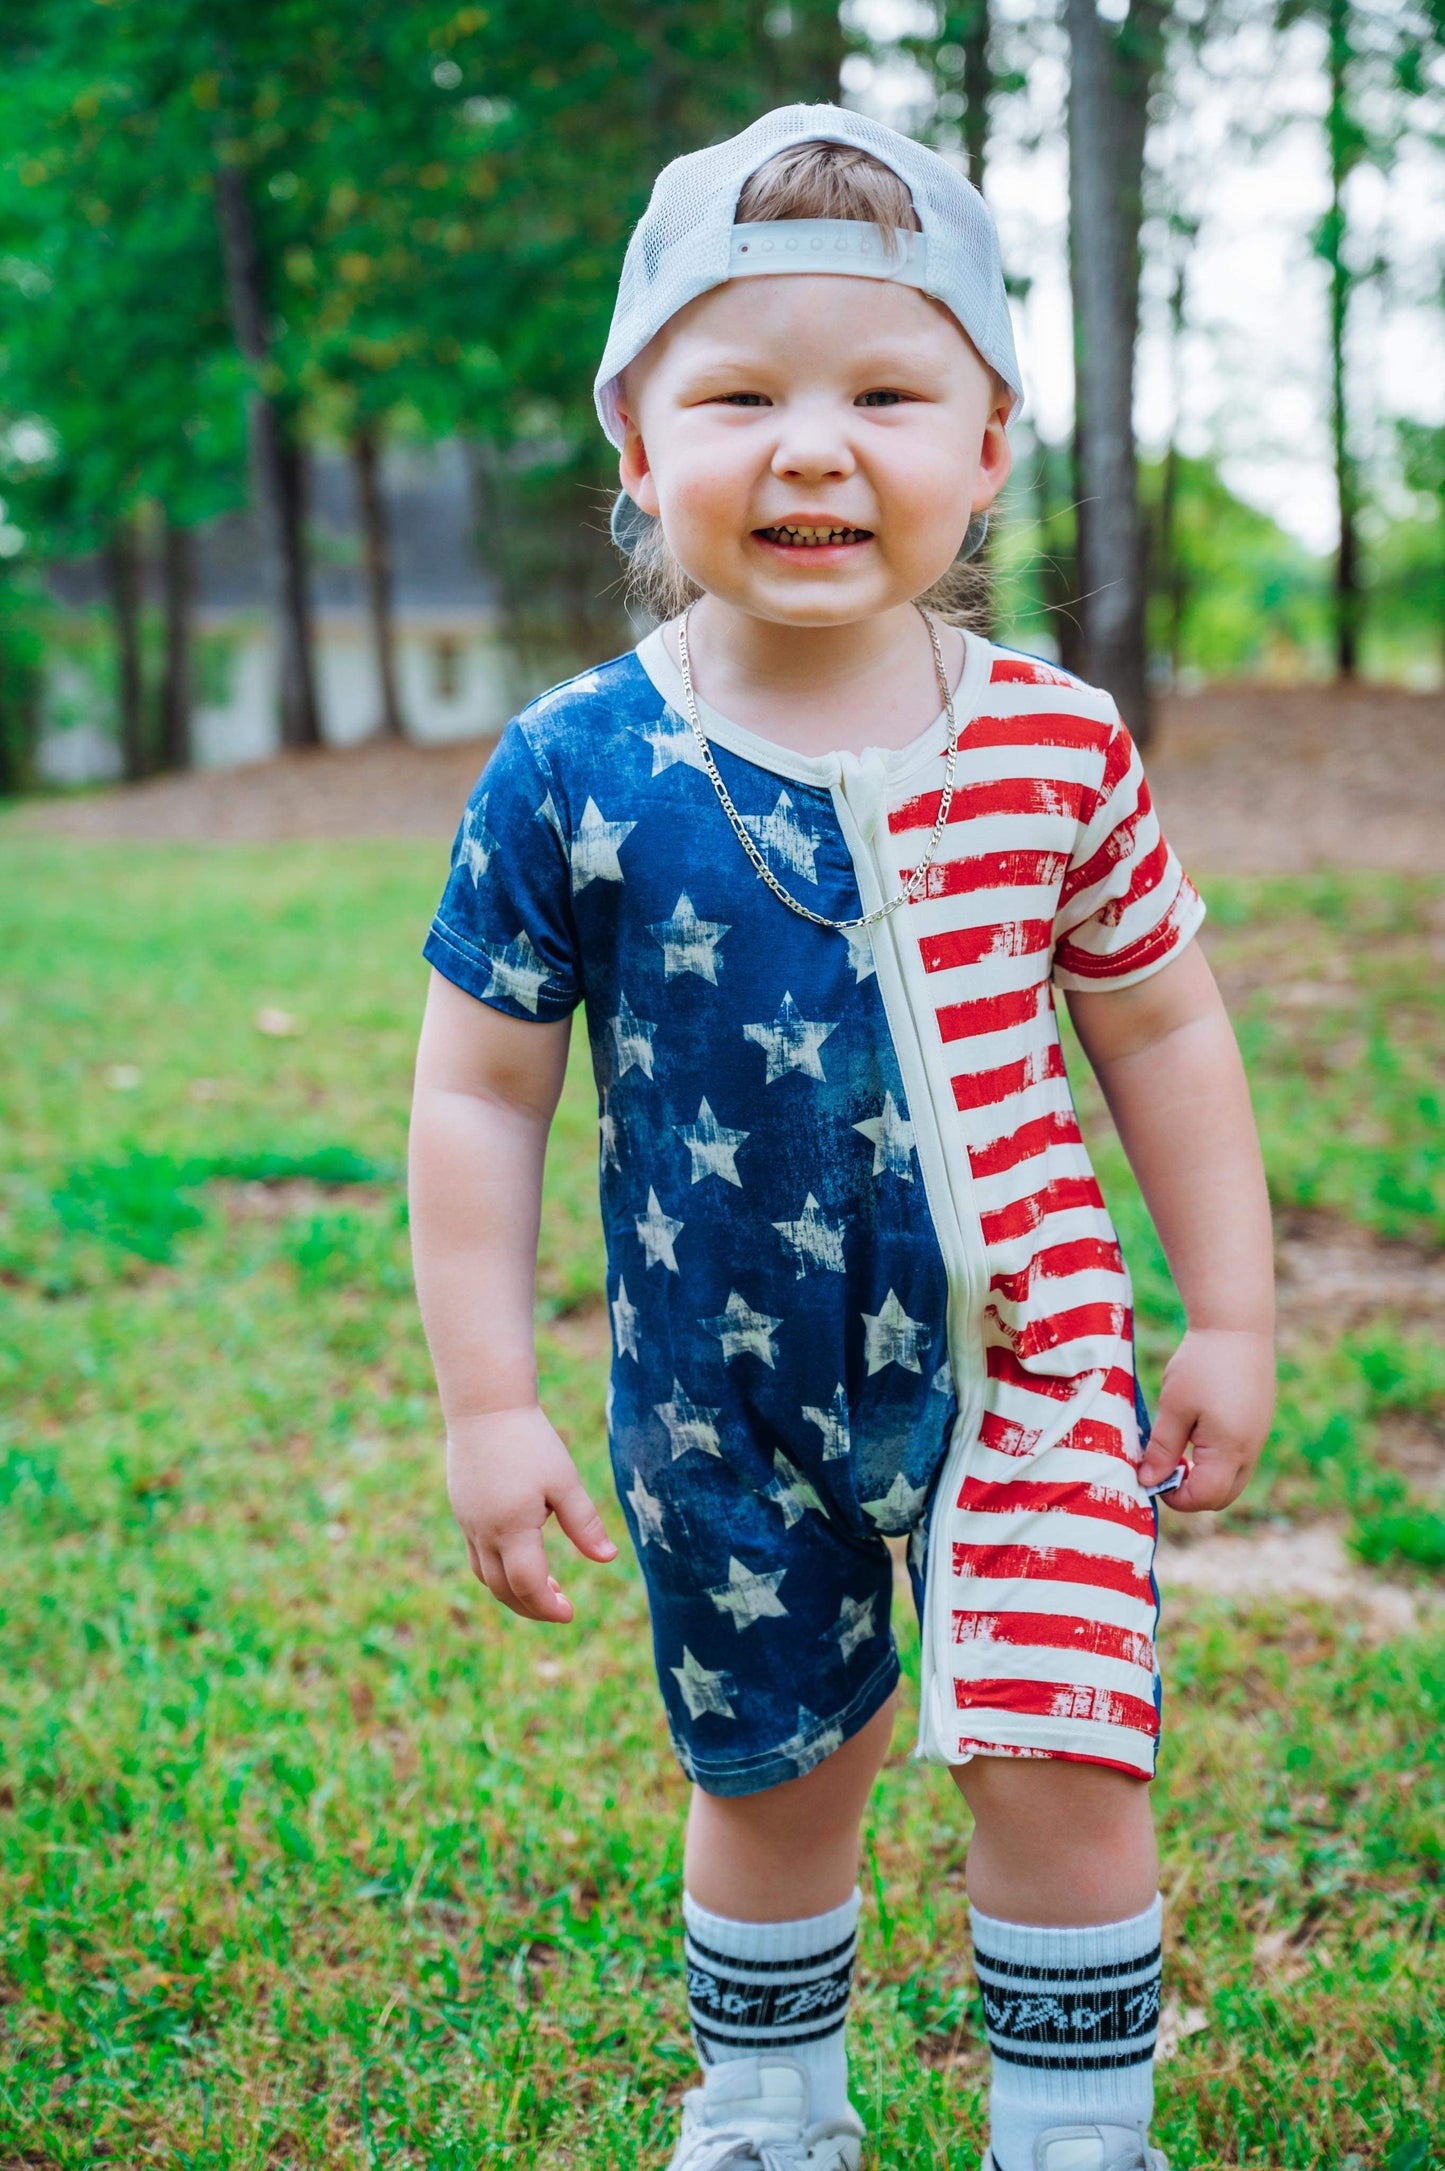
{"x": 816, "y": 859}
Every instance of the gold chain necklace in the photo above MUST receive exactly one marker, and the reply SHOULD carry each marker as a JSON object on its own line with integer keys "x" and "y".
{"x": 914, "y": 885}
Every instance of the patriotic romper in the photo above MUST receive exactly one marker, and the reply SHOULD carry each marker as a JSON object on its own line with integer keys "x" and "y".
{"x": 860, "y": 1275}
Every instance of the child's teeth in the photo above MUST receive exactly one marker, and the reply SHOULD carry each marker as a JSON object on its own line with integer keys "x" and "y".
{"x": 816, "y": 535}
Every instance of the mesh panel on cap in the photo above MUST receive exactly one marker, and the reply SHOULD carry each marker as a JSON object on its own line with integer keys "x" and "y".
{"x": 680, "y": 246}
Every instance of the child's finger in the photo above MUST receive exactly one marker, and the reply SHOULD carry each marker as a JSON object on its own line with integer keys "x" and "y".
{"x": 577, "y": 1513}
{"x": 1167, "y": 1441}
{"x": 533, "y": 1591}
{"x": 1213, "y": 1481}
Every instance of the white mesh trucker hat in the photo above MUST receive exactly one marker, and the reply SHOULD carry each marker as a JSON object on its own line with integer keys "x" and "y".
{"x": 686, "y": 242}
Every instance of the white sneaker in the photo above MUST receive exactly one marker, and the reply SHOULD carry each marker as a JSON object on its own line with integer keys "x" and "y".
{"x": 1092, "y": 2148}
{"x": 751, "y": 2114}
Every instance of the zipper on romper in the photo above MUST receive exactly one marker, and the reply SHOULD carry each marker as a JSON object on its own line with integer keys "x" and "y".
{"x": 860, "y": 797}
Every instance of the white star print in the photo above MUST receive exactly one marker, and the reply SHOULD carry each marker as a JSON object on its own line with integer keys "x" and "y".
{"x": 832, "y": 1423}
{"x": 624, "y": 1319}
{"x": 854, "y": 1624}
{"x": 779, "y": 837}
{"x": 648, "y": 1510}
{"x": 891, "y": 1337}
{"x": 791, "y": 1492}
{"x": 655, "y": 1233}
{"x": 811, "y": 1743}
{"x": 900, "y": 1507}
{"x": 677, "y": 744}
{"x": 748, "y": 1596}
{"x": 892, "y": 1137}
{"x": 517, "y": 970}
{"x": 816, "y": 1241}
{"x": 633, "y": 1037}
{"x": 860, "y": 952}
{"x": 594, "y": 849}
{"x": 714, "y": 1148}
{"x": 547, "y": 812}
{"x": 743, "y": 1331}
{"x": 791, "y": 1042}
{"x": 688, "y": 943}
{"x": 607, "y": 1136}
{"x": 688, "y": 1424}
{"x": 476, "y": 844}
{"x": 942, "y": 1381}
{"x": 702, "y": 1691}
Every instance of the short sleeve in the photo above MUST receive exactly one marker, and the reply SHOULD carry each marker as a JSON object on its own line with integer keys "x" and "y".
{"x": 504, "y": 930}
{"x": 1126, "y": 905}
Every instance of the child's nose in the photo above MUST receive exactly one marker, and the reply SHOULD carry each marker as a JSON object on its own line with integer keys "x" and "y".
{"x": 812, "y": 444}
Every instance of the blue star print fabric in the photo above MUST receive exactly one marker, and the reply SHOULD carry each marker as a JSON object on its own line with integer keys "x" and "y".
{"x": 780, "y": 1397}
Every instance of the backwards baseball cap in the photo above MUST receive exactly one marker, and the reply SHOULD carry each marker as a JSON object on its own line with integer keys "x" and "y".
{"x": 687, "y": 241}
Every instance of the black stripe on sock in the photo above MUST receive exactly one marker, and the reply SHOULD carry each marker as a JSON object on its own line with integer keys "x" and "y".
{"x": 727, "y": 1961}
{"x": 713, "y": 1997}
{"x": 1053, "y": 2064}
{"x": 749, "y": 2042}
{"x": 1025, "y": 1971}
{"x": 1076, "y": 2017}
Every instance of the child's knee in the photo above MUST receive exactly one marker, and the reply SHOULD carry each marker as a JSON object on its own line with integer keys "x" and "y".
{"x": 1059, "y": 1801}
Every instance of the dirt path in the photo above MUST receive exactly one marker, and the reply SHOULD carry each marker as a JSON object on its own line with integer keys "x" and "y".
{"x": 1248, "y": 779}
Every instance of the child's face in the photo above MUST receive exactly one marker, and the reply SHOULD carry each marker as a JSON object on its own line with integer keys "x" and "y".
{"x": 813, "y": 399}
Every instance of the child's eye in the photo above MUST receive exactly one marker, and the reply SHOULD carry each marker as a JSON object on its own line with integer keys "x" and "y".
{"x": 729, "y": 398}
{"x": 864, "y": 397}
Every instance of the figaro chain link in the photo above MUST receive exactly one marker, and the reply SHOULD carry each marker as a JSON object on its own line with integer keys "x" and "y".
{"x": 914, "y": 885}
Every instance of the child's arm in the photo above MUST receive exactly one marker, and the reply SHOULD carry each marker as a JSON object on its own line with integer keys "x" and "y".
{"x": 1165, "y": 1055}
{"x": 487, "y": 1086}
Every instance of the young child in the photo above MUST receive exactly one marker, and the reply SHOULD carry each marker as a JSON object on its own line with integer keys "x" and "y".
{"x": 815, "y": 864}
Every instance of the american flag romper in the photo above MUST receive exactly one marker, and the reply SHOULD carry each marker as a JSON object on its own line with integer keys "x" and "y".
{"x": 860, "y": 1275}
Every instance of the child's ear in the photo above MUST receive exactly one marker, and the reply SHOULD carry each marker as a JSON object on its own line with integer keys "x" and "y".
{"x": 995, "y": 457}
{"x": 633, "y": 467}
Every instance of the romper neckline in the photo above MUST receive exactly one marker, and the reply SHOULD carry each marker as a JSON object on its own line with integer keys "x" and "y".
{"x": 892, "y": 762}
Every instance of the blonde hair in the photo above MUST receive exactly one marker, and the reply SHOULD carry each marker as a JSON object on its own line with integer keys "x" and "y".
{"x": 816, "y": 180}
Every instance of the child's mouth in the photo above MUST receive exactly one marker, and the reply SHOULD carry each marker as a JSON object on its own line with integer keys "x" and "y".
{"x": 813, "y": 538}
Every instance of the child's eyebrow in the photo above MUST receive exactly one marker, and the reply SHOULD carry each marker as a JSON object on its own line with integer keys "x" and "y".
{"x": 897, "y": 358}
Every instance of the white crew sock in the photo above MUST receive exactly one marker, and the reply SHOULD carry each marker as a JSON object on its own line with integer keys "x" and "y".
{"x": 754, "y": 1987}
{"x": 1072, "y": 2016}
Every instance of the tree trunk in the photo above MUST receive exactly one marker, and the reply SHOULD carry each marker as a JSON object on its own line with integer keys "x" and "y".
{"x": 178, "y": 586}
{"x": 376, "y": 552}
{"x": 816, "y": 49}
{"x": 277, "y": 470}
{"x": 1111, "y": 74}
{"x": 1342, "y": 143}
{"x": 19, "y": 719}
{"x": 1058, "y": 560}
{"x": 978, "y": 95}
{"x": 122, "y": 578}
{"x": 977, "y": 90}
{"x": 1168, "y": 563}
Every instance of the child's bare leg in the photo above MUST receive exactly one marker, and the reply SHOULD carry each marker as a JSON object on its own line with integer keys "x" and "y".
{"x": 1063, "y": 1883}
{"x": 771, "y": 1909}
{"x": 1056, "y": 1843}
{"x": 793, "y": 1849}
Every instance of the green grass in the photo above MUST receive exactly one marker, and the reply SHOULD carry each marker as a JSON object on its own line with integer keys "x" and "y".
{"x": 310, "y": 1855}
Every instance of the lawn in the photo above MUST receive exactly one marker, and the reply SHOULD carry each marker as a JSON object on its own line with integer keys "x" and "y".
{"x": 311, "y": 1855}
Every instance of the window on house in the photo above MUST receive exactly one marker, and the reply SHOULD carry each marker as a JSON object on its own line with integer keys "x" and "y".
{"x": 446, "y": 655}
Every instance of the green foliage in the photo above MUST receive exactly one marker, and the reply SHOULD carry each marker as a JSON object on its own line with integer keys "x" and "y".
{"x": 144, "y": 1201}
{"x": 1413, "y": 1534}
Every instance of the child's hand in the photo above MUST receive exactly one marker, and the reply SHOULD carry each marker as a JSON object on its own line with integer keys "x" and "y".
{"x": 1215, "y": 1407}
{"x": 506, "y": 1471}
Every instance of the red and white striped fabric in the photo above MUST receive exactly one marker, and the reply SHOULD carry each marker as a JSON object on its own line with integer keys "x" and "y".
{"x": 1052, "y": 872}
